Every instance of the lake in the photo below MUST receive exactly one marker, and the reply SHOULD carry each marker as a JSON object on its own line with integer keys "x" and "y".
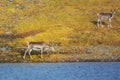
{"x": 60, "y": 71}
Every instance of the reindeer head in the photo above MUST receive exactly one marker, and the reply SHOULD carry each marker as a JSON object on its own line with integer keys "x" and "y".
{"x": 113, "y": 12}
{"x": 52, "y": 46}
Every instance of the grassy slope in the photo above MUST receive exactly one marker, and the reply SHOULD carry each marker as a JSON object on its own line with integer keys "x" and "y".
{"x": 71, "y": 22}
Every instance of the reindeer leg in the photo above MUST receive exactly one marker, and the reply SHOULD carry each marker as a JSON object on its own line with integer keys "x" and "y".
{"x": 30, "y": 54}
{"x": 101, "y": 23}
{"x": 41, "y": 52}
{"x": 25, "y": 53}
{"x": 109, "y": 25}
{"x": 98, "y": 23}
{"x": 48, "y": 53}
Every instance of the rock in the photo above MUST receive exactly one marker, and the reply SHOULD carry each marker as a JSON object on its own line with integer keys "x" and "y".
{"x": 11, "y": 0}
{"x": 8, "y": 33}
{"x": 19, "y": 6}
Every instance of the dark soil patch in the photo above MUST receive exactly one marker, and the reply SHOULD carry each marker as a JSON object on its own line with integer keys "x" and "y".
{"x": 20, "y": 35}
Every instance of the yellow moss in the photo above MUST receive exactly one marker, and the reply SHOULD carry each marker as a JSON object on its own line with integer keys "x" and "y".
{"x": 64, "y": 21}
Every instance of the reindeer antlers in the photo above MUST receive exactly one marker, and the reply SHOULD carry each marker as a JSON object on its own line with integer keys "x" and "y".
{"x": 52, "y": 42}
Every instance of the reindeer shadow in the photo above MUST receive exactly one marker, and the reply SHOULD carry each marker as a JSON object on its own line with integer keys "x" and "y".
{"x": 38, "y": 53}
{"x": 95, "y": 22}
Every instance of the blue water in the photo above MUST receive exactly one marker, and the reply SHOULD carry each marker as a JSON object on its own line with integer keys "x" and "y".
{"x": 60, "y": 71}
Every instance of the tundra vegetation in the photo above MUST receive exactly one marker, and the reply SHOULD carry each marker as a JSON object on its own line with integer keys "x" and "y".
{"x": 72, "y": 24}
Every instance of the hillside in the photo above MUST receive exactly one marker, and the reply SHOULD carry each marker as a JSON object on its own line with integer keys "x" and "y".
{"x": 67, "y": 22}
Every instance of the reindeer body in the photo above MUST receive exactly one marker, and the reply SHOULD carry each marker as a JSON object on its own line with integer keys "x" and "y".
{"x": 38, "y": 46}
{"x": 105, "y": 16}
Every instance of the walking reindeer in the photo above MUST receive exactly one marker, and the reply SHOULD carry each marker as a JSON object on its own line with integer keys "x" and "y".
{"x": 38, "y": 46}
{"x": 105, "y": 16}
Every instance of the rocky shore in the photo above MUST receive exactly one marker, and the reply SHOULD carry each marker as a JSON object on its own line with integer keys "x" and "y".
{"x": 63, "y": 54}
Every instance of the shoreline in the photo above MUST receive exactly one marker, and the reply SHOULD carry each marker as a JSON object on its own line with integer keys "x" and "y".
{"x": 92, "y": 60}
{"x": 72, "y": 54}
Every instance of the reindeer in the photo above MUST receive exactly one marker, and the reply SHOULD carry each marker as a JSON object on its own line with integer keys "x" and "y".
{"x": 105, "y": 16}
{"x": 38, "y": 46}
